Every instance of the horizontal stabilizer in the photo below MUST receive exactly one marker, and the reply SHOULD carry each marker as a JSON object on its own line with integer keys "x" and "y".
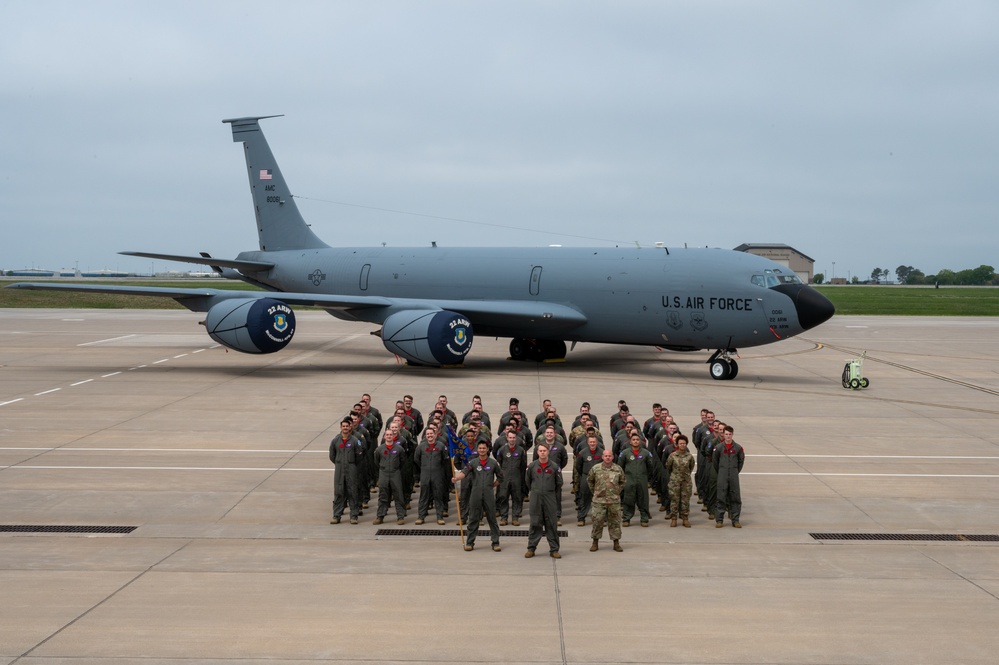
{"x": 242, "y": 266}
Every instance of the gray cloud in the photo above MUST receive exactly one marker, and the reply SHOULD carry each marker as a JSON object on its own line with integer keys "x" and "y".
{"x": 861, "y": 133}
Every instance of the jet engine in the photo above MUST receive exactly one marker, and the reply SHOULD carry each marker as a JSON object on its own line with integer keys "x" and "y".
{"x": 251, "y": 325}
{"x": 428, "y": 337}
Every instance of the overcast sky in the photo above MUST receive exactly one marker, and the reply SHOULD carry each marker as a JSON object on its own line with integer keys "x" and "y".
{"x": 861, "y": 133}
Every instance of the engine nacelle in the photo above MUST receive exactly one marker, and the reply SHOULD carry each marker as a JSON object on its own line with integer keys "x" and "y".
{"x": 251, "y": 325}
{"x": 428, "y": 337}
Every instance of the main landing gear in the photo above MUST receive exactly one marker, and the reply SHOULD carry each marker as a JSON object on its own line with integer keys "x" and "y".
{"x": 522, "y": 348}
{"x": 721, "y": 365}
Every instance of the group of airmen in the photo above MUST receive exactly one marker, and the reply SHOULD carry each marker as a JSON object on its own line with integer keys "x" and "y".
{"x": 493, "y": 476}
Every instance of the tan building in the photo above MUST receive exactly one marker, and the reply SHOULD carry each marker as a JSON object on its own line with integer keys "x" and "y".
{"x": 802, "y": 265}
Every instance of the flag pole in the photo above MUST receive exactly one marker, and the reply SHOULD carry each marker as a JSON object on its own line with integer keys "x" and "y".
{"x": 453, "y": 448}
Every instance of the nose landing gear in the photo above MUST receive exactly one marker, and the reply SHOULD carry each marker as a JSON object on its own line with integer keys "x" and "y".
{"x": 722, "y": 366}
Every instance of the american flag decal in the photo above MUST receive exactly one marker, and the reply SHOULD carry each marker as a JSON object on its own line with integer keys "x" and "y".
{"x": 265, "y": 174}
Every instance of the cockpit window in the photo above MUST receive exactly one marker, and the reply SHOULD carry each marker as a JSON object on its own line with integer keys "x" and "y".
{"x": 758, "y": 280}
{"x": 777, "y": 276}
{"x": 787, "y": 277}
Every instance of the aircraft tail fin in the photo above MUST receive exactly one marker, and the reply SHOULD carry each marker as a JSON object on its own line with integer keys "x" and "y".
{"x": 279, "y": 224}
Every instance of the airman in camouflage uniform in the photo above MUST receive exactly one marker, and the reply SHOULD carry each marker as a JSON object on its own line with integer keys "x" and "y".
{"x": 606, "y": 481}
{"x": 679, "y": 466}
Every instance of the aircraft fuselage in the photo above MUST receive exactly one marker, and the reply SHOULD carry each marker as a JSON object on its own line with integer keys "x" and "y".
{"x": 698, "y": 298}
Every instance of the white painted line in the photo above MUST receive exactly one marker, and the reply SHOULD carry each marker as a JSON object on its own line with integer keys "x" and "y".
{"x": 874, "y": 475}
{"x": 878, "y": 456}
{"x": 74, "y": 319}
{"x": 103, "y": 341}
{"x": 104, "y": 376}
{"x": 296, "y": 451}
{"x": 181, "y": 355}
{"x": 326, "y": 470}
{"x": 267, "y": 469}
{"x": 80, "y": 383}
{"x": 159, "y": 361}
{"x": 199, "y": 351}
{"x": 250, "y": 451}
{"x": 46, "y": 392}
{"x": 11, "y": 401}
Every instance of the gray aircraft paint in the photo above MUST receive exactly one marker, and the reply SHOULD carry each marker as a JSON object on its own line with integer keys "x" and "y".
{"x": 681, "y": 298}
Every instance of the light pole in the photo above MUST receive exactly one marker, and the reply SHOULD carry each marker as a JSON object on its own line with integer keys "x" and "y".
{"x": 834, "y": 271}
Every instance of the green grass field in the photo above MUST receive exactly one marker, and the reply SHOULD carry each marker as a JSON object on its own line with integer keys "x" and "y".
{"x": 913, "y": 300}
{"x": 891, "y": 300}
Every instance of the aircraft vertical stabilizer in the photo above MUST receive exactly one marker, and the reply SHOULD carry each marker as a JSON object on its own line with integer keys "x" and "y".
{"x": 279, "y": 224}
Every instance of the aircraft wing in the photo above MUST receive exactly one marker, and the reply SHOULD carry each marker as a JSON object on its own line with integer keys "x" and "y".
{"x": 503, "y": 313}
{"x": 213, "y": 295}
{"x": 483, "y": 312}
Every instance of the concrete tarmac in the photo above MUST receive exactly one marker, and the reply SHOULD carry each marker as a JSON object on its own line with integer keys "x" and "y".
{"x": 220, "y": 461}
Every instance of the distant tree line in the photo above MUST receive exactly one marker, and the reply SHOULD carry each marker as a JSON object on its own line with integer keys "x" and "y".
{"x": 980, "y": 276}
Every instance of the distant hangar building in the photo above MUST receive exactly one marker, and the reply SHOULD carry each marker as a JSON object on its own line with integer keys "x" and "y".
{"x": 802, "y": 265}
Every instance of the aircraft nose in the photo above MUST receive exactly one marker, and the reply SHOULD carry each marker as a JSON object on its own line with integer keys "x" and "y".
{"x": 812, "y": 307}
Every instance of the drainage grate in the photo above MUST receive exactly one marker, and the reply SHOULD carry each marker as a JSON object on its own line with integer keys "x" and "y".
{"x": 950, "y": 537}
{"x": 453, "y": 533}
{"x": 63, "y": 528}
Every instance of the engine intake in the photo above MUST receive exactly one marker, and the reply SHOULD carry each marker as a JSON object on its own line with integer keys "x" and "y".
{"x": 251, "y": 325}
{"x": 428, "y": 337}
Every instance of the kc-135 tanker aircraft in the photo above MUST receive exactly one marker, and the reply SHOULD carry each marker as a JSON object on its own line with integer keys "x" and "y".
{"x": 431, "y": 301}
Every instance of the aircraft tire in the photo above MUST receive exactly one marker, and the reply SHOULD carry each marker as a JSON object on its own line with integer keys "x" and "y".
{"x": 733, "y": 370}
{"x": 518, "y": 349}
{"x": 720, "y": 370}
{"x": 554, "y": 349}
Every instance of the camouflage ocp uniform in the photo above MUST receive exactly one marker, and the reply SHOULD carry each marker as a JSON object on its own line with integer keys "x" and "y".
{"x": 606, "y": 485}
{"x": 679, "y": 466}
